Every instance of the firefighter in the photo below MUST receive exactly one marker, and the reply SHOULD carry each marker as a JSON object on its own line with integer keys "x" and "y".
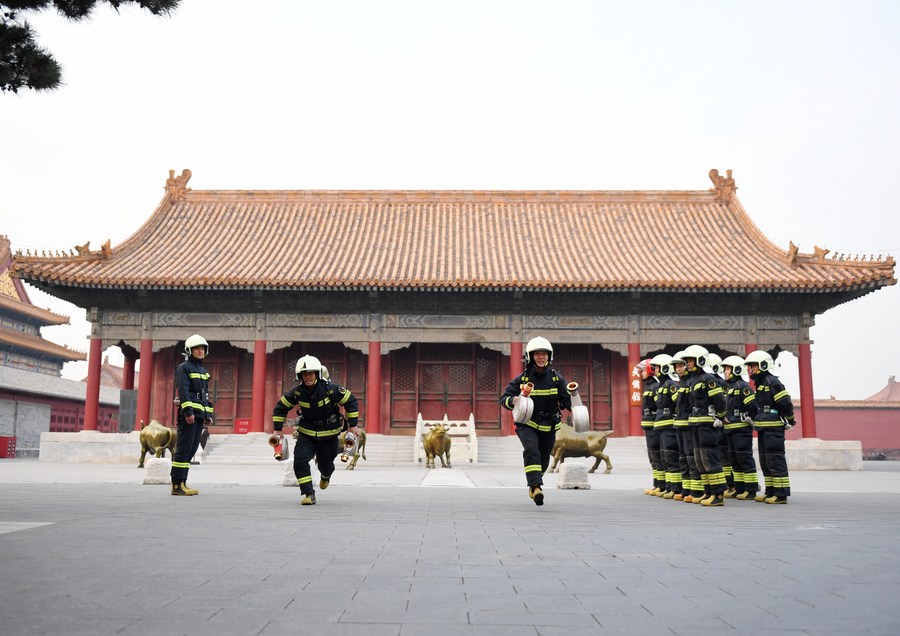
{"x": 776, "y": 414}
{"x": 549, "y": 395}
{"x": 664, "y": 427}
{"x": 319, "y": 401}
{"x": 740, "y": 408}
{"x": 650, "y": 374}
{"x": 707, "y": 400}
{"x": 714, "y": 367}
{"x": 195, "y": 410}
{"x": 691, "y": 488}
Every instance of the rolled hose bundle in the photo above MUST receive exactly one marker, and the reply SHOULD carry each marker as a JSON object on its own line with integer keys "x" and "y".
{"x": 581, "y": 419}
{"x": 524, "y": 406}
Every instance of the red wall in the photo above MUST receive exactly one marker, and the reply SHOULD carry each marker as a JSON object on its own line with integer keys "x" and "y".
{"x": 877, "y": 428}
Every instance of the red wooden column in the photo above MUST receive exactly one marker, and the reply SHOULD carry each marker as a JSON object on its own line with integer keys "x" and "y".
{"x": 128, "y": 374}
{"x": 515, "y": 363}
{"x": 807, "y": 404}
{"x": 145, "y": 384}
{"x": 258, "y": 401}
{"x": 373, "y": 388}
{"x": 634, "y": 412}
{"x": 92, "y": 394}
{"x": 515, "y": 357}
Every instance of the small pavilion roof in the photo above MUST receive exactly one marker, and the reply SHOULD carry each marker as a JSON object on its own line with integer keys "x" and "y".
{"x": 890, "y": 392}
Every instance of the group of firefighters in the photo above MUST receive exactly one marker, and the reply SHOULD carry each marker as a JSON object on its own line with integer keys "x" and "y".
{"x": 698, "y": 416}
{"x": 319, "y": 400}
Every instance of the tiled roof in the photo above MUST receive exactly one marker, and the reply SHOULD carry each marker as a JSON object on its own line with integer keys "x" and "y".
{"x": 13, "y": 297}
{"x": 23, "y": 381}
{"x": 890, "y": 393}
{"x": 28, "y": 342}
{"x": 41, "y": 316}
{"x": 463, "y": 240}
{"x": 112, "y": 375}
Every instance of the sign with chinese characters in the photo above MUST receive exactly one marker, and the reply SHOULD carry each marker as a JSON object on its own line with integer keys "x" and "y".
{"x": 637, "y": 386}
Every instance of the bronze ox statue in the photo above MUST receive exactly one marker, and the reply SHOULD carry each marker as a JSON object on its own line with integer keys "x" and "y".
{"x": 156, "y": 438}
{"x": 437, "y": 444}
{"x": 571, "y": 444}
{"x": 358, "y": 449}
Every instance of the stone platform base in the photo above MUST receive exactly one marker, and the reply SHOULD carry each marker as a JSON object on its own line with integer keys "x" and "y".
{"x": 819, "y": 454}
{"x": 91, "y": 446}
{"x": 125, "y": 448}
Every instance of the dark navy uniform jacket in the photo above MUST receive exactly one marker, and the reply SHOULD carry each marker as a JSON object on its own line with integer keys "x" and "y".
{"x": 319, "y": 408}
{"x": 192, "y": 383}
{"x": 549, "y": 396}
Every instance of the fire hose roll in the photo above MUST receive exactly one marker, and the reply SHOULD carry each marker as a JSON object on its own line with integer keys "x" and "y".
{"x": 581, "y": 419}
{"x": 524, "y": 406}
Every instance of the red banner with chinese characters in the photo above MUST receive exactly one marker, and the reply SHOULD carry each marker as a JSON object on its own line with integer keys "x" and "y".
{"x": 637, "y": 386}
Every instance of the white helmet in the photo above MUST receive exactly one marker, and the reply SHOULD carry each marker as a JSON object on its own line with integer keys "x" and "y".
{"x": 698, "y": 353}
{"x": 714, "y": 362}
{"x": 196, "y": 341}
{"x": 538, "y": 344}
{"x": 309, "y": 363}
{"x": 760, "y": 357}
{"x": 663, "y": 361}
{"x": 325, "y": 374}
{"x": 736, "y": 363}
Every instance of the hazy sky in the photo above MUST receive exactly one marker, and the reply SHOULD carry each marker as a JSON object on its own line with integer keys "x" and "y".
{"x": 800, "y": 99}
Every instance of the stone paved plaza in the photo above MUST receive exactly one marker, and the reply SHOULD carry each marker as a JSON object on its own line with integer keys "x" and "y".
{"x": 89, "y": 549}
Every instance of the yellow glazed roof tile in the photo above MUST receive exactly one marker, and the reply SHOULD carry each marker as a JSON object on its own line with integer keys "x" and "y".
{"x": 468, "y": 240}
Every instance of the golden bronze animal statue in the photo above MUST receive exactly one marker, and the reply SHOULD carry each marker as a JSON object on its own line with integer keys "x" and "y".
{"x": 155, "y": 439}
{"x": 358, "y": 449}
{"x": 437, "y": 444}
{"x": 571, "y": 444}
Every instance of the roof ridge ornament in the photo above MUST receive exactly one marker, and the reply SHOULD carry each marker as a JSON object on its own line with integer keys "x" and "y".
{"x": 84, "y": 252}
{"x": 176, "y": 187}
{"x": 795, "y": 256}
{"x": 724, "y": 186}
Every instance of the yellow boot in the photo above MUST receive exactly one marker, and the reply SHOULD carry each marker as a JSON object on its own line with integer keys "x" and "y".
{"x": 181, "y": 491}
{"x": 189, "y": 491}
{"x": 308, "y": 500}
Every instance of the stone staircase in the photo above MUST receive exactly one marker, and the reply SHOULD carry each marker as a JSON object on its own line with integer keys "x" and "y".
{"x": 505, "y": 452}
{"x": 381, "y": 450}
